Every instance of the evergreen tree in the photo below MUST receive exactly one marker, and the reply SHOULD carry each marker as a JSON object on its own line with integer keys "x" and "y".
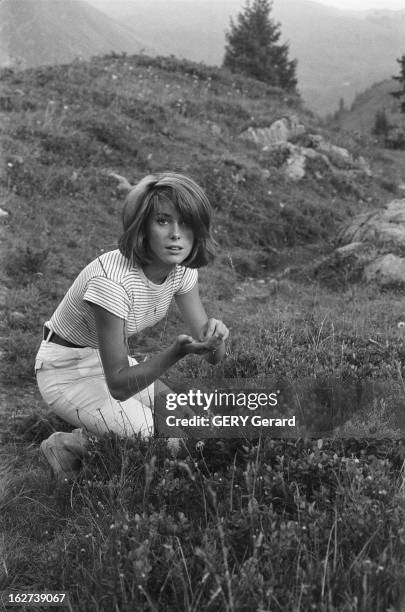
{"x": 381, "y": 124}
{"x": 401, "y": 79}
{"x": 252, "y": 47}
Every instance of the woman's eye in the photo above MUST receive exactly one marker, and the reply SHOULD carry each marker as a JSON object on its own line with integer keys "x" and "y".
{"x": 161, "y": 220}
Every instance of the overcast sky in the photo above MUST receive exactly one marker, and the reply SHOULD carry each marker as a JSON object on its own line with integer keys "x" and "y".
{"x": 363, "y": 4}
{"x": 344, "y": 4}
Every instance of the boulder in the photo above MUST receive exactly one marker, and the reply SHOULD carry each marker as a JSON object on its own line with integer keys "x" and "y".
{"x": 381, "y": 227}
{"x": 386, "y": 270}
{"x": 294, "y": 167}
{"x": 282, "y": 130}
{"x": 278, "y": 136}
{"x": 345, "y": 264}
{"x": 338, "y": 156}
{"x": 371, "y": 249}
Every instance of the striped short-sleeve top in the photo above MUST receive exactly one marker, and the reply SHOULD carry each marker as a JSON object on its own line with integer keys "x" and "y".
{"x": 112, "y": 282}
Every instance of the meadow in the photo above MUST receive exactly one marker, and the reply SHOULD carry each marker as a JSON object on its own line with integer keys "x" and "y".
{"x": 310, "y": 522}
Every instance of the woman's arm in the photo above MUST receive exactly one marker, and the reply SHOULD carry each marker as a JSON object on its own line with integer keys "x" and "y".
{"x": 124, "y": 380}
{"x": 201, "y": 327}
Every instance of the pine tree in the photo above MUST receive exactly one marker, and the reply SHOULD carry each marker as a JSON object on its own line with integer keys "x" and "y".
{"x": 252, "y": 47}
{"x": 381, "y": 124}
{"x": 401, "y": 79}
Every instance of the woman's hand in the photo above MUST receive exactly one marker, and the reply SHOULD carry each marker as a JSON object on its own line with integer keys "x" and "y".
{"x": 215, "y": 332}
{"x": 214, "y": 329}
{"x": 187, "y": 345}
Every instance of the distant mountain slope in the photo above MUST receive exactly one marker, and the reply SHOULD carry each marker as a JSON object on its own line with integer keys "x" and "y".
{"x": 361, "y": 116}
{"x": 340, "y": 53}
{"x": 55, "y": 31}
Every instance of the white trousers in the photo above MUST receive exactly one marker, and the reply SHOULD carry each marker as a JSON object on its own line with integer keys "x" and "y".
{"x": 73, "y": 384}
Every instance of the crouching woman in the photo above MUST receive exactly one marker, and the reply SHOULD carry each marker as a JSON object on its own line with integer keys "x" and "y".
{"x": 83, "y": 367}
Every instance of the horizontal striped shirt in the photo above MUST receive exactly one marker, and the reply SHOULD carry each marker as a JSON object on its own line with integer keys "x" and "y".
{"x": 112, "y": 282}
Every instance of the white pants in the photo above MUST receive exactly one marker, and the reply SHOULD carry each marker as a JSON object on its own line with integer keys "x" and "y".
{"x": 72, "y": 383}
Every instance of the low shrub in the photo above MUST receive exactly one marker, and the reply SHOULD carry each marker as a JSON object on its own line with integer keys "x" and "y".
{"x": 23, "y": 262}
{"x": 20, "y": 350}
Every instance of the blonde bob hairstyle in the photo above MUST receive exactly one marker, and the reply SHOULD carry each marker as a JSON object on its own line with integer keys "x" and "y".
{"x": 190, "y": 202}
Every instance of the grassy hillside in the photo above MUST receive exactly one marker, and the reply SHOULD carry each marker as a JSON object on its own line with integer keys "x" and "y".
{"x": 66, "y": 127}
{"x": 284, "y": 524}
{"x": 365, "y": 43}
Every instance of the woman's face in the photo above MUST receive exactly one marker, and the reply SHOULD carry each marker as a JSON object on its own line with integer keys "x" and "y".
{"x": 170, "y": 240}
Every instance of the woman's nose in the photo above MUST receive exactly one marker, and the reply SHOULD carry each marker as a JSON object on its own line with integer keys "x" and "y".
{"x": 175, "y": 231}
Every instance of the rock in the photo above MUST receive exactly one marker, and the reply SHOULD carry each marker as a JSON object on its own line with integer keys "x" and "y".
{"x": 348, "y": 250}
{"x": 282, "y": 130}
{"x": 345, "y": 264}
{"x": 336, "y": 160}
{"x": 17, "y": 316}
{"x": 384, "y": 226}
{"x": 338, "y": 156}
{"x": 294, "y": 168}
{"x": 214, "y": 128}
{"x": 371, "y": 249}
{"x": 277, "y": 138}
{"x": 386, "y": 270}
{"x": 3, "y": 213}
{"x": 363, "y": 166}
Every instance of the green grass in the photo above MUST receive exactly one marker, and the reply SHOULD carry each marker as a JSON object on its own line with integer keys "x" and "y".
{"x": 309, "y": 523}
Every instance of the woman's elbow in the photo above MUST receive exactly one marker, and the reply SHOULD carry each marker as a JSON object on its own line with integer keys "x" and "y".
{"x": 117, "y": 392}
{"x": 121, "y": 386}
{"x": 117, "y": 383}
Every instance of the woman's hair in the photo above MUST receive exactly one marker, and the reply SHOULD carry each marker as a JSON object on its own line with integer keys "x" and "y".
{"x": 143, "y": 200}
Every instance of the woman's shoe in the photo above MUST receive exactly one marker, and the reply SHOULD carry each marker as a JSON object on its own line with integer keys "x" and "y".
{"x": 64, "y": 453}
